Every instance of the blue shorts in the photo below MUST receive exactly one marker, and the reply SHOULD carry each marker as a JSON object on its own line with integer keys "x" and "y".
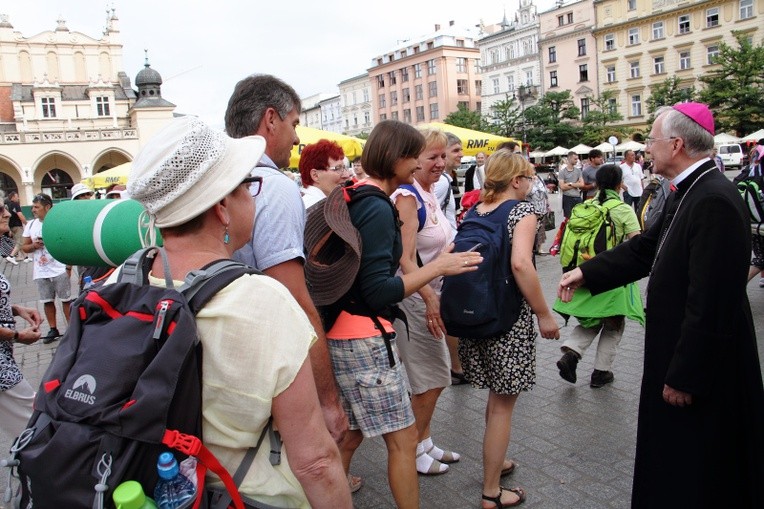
{"x": 374, "y": 395}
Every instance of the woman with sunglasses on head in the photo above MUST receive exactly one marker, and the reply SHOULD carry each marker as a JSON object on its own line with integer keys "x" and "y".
{"x": 195, "y": 183}
{"x": 322, "y": 168}
{"x": 506, "y": 364}
{"x": 16, "y": 395}
{"x": 365, "y": 359}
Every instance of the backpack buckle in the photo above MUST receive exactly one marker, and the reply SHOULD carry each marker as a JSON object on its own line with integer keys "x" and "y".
{"x": 187, "y": 444}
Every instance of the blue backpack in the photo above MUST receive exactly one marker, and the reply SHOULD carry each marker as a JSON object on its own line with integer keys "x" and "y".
{"x": 484, "y": 303}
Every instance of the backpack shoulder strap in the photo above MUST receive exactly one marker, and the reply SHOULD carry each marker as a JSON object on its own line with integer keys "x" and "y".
{"x": 202, "y": 284}
{"x": 421, "y": 213}
{"x": 136, "y": 268}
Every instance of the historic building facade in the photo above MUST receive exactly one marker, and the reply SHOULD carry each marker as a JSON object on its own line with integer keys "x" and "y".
{"x": 643, "y": 42}
{"x": 568, "y": 52}
{"x": 355, "y": 105}
{"x": 67, "y": 109}
{"x": 424, "y": 80}
{"x": 509, "y": 60}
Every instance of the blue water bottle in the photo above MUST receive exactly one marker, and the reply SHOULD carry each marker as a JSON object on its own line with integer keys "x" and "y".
{"x": 173, "y": 489}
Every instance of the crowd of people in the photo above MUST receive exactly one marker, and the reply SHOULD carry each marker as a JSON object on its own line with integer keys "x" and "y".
{"x": 375, "y": 362}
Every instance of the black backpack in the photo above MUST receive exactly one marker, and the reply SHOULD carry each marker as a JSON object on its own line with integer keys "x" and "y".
{"x": 484, "y": 303}
{"x": 123, "y": 386}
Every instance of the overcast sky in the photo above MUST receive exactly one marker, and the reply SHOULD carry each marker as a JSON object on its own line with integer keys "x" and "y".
{"x": 202, "y": 48}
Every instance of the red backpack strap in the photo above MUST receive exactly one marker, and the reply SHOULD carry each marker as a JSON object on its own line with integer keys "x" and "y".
{"x": 191, "y": 445}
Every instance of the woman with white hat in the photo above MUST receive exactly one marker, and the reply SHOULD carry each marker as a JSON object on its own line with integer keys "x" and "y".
{"x": 195, "y": 185}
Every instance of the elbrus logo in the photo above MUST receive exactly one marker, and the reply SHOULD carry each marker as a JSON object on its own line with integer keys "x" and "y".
{"x": 83, "y": 390}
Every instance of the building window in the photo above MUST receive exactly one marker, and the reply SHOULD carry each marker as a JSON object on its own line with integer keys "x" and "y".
{"x": 610, "y": 70}
{"x": 463, "y": 104}
{"x": 48, "y": 107}
{"x": 712, "y": 52}
{"x": 583, "y": 72}
{"x": 355, "y": 121}
{"x": 529, "y": 77}
{"x": 417, "y": 70}
{"x": 633, "y": 36}
{"x": 496, "y": 86}
{"x": 434, "y": 111}
{"x": 405, "y": 74}
{"x": 609, "y": 42}
{"x": 102, "y": 106}
{"x": 684, "y": 24}
{"x": 570, "y": 17}
{"x": 420, "y": 113}
{"x": 418, "y": 95}
{"x": 407, "y": 116}
{"x": 712, "y": 17}
{"x": 406, "y": 95}
{"x": 511, "y": 83}
{"x": 634, "y": 69}
{"x": 366, "y": 118}
{"x": 632, "y": 5}
{"x": 478, "y": 87}
{"x": 431, "y": 67}
{"x": 552, "y": 54}
{"x": 461, "y": 64}
{"x": 684, "y": 60}
{"x": 658, "y": 30}
{"x": 658, "y": 65}
{"x": 462, "y": 87}
{"x": 584, "y": 107}
{"x": 432, "y": 88}
{"x": 612, "y": 105}
{"x": 746, "y": 9}
{"x": 636, "y": 106}
{"x": 560, "y": 21}
{"x": 581, "y": 47}
{"x": 382, "y": 101}
{"x": 381, "y": 81}
{"x": 395, "y": 115}
{"x": 393, "y": 98}
{"x": 365, "y": 95}
{"x": 552, "y": 79}
{"x": 383, "y": 116}
{"x": 392, "y": 77}
{"x": 460, "y": 43}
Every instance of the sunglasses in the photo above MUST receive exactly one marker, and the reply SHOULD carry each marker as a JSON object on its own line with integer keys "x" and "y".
{"x": 254, "y": 184}
{"x": 43, "y": 198}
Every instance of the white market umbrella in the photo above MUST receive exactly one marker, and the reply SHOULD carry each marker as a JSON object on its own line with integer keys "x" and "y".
{"x": 630, "y": 145}
{"x": 536, "y": 154}
{"x": 604, "y": 147}
{"x": 725, "y": 138}
{"x": 581, "y": 149}
{"x": 557, "y": 151}
{"x": 754, "y": 137}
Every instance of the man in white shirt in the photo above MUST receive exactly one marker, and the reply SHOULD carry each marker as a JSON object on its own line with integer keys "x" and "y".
{"x": 632, "y": 179}
{"x": 51, "y": 276}
{"x": 475, "y": 176}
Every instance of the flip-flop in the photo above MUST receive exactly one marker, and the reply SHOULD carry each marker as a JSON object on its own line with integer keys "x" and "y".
{"x": 355, "y": 483}
{"x": 509, "y": 469}
{"x": 497, "y": 500}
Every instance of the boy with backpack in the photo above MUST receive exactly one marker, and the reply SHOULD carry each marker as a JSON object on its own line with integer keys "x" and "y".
{"x": 595, "y": 226}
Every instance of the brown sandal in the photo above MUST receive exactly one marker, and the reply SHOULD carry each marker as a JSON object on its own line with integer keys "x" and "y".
{"x": 497, "y": 500}
{"x": 509, "y": 469}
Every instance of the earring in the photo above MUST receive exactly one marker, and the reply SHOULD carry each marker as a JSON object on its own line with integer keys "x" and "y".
{"x": 226, "y": 236}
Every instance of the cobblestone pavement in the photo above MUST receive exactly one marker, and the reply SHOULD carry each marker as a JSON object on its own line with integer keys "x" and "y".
{"x": 574, "y": 445}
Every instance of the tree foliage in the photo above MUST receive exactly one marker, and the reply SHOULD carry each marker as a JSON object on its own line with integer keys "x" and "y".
{"x": 463, "y": 117}
{"x": 668, "y": 93}
{"x": 506, "y": 117}
{"x": 553, "y": 121}
{"x": 735, "y": 89}
{"x": 598, "y": 123}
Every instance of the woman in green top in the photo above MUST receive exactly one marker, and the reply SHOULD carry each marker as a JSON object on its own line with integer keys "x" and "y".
{"x": 605, "y": 313}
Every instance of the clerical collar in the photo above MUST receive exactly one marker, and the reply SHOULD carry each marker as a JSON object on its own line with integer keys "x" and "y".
{"x": 686, "y": 173}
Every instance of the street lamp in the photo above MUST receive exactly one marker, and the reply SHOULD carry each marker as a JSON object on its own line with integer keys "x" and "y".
{"x": 524, "y": 92}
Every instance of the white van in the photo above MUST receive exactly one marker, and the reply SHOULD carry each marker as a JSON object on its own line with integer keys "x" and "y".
{"x": 731, "y": 154}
